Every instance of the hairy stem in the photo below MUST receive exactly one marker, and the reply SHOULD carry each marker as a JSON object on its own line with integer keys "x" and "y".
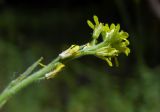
{"x": 114, "y": 42}
{"x": 11, "y": 90}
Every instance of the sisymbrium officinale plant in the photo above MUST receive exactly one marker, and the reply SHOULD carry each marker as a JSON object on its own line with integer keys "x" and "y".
{"x": 114, "y": 42}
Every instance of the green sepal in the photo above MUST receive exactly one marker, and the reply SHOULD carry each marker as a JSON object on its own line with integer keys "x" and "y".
{"x": 97, "y": 31}
{"x": 90, "y": 24}
{"x": 95, "y": 18}
{"x": 127, "y": 51}
{"x": 112, "y": 26}
{"x": 109, "y": 62}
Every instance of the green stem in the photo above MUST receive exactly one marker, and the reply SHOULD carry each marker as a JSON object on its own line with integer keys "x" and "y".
{"x": 25, "y": 79}
{"x": 24, "y": 75}
{"x": 8, "y": 93}
{"x": 71, "y": 53}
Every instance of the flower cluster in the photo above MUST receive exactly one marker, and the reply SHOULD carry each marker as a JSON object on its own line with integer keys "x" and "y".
{"x": 113, "y": 41}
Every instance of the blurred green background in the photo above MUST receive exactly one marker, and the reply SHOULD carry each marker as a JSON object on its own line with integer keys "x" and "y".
{"x": 30, "y": 29}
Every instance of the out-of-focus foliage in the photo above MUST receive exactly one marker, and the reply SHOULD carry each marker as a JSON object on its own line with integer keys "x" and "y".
{"x": 86, "y": 85}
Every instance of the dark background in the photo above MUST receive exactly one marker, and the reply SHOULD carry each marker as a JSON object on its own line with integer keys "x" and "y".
{"x": 30, "y": 29}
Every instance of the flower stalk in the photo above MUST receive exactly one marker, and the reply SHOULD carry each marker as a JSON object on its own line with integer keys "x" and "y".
{"x": 114, "y": 42}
